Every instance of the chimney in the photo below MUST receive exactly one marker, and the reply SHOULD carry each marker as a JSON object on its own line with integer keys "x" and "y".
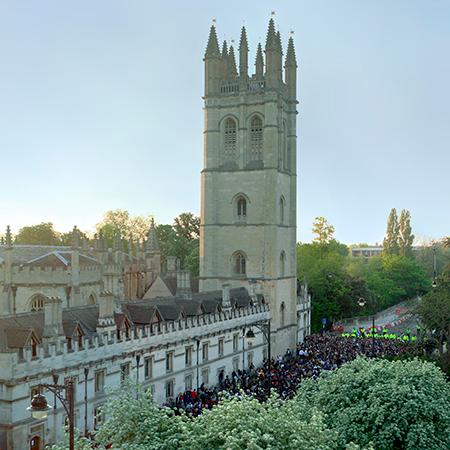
{"x": 184, "y": 284}
{"x": 226, "y": 296}
{"x": 171, "y": 265}
{"x": 75, "y": 268}
{"x": 106, "y": 305}
{"x": 53, "y": 327}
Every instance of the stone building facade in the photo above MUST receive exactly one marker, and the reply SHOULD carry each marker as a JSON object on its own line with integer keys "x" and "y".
{"x": 101, "y": 314}
{"x": 249, "y": 182}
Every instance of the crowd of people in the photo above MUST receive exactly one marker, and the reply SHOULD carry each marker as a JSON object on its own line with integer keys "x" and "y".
{"x": 319, "y": 352}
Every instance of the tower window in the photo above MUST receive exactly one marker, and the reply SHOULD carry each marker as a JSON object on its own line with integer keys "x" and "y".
{"x": 230, "y": 140}
{"x": 239, "y": 264}
{"x": 282, "y": 264}
{"x": 241, "y": 208}
{"x": 256, "y": 138}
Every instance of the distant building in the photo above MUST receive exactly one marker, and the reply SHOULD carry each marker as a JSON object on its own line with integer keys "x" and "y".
{"x": 367, "y": 252}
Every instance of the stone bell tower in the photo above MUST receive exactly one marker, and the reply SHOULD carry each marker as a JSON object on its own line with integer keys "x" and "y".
{"x": 248, "y": 204}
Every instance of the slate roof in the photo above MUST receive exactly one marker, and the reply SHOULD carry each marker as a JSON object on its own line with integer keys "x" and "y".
{"x": 15, "y": 330}
{"x": 45, "y": 255}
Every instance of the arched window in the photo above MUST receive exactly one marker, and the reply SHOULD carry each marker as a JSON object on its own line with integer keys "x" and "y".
{"x": 91, "y": 300}
{"x": 37, "y": 303}
{"x": 256, "y": 138}
{"x": 282, "y": 264}
{"x": 230, "y": 140}
{"x": 281, "y": 204}
{"x": 282, "y": 314}
{"x": 239, "y": 264}
{"x": 241, "y": 208}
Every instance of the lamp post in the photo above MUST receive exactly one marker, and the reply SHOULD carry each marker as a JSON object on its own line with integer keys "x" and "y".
{"x": 198, "y": 347}
{"x": 86, "y": 373}
{"x": 434, "y": 283}
{"x": 264, "y": 327}
{"x": 39, "y": 406}
{"x": 362, "y": 303}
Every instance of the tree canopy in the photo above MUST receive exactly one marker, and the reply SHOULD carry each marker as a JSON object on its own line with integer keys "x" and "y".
{"x": 391, "y": 404}
{"x": 41, "y": 234}
{"x": 365, "y": 404}
{"x": 323, "y": 231}
{"x": 121, "y": 222}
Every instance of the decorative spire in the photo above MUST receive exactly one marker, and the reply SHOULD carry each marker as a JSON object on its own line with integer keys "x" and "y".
{"x": 75, "y": 237}
{"x": 271, "y": 40}
{"x": 152, "y": 240}
{"x": 259, "y": 63}
{"x": 243, "y": 55}
{"x": 231, "y": 66}
{"x": 117, "y": 242}
{"x": 130, "y": 245}
{"x": 224, "y": 59}
{"x": 102, "y": 244}
{"x": 224, "y": 49}
{"x": 212, "y": 48}
{"x": 243, "y": 43}
{"x": 8, "y": 237}
{"x": 291, "y": 60}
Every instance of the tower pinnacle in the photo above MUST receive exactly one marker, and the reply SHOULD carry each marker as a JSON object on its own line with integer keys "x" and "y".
{"x": 259, "y": 63}
{"x": 152, "y": 244}
{"x": 212, "y": 48}
{"x": 243, "y": 55}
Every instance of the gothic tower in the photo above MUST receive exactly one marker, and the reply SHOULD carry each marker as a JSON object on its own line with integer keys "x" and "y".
{"x": 248, "y": 204}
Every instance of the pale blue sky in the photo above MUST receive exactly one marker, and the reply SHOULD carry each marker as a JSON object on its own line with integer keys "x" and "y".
{"x": 100, "y": 108}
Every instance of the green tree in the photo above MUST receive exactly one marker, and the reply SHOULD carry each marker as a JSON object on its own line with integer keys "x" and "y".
{"x": 390, "y": 242}
{"x": 42, "y": 234}
{"x": 446, "y": 241}
{"x": 173, "y": 243}
{"x": 188, "y": 226}
{"x": 135, "y": 422}
{"x": 405, "y": 236}
{"x": 120, "y": 222}
{"x": 392, "y": 404}
{"x": 425, "y": 257}
{"x": 406, "y": 274}
{"x": 434, "y": 309}
{"x": 323, "y": 230}
{"x": 331, "y": 287}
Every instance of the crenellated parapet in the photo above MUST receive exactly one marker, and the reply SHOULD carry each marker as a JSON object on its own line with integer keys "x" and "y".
{"x": 57, "y": 356}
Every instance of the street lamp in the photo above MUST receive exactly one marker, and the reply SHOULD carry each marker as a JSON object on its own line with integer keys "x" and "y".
{"x": 362, "y": 302}
{"x": 434, "y": 283}
{"x": 264, "y": 327}
{"x": 39, "y": 407}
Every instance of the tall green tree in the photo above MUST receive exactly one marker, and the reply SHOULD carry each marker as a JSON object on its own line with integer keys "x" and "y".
{"x": 390, "y": 242}
{"x": 187, "y": 225}
{"x": 405, "y": 236}
{"x": 41, "y": 234}
{"x": 121, "y": 222}
{"x": 323, "y": 231}
{"x": 434, "y": 309}
{"x": 181, "y": 240}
